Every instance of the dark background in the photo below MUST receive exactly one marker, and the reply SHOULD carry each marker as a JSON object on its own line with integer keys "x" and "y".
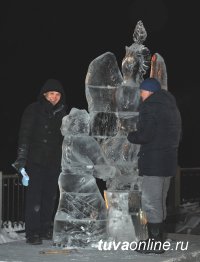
{"x": 59, "y": 39}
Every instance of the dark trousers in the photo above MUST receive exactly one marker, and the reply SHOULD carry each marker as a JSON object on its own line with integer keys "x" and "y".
{"x": 41, "y": 195}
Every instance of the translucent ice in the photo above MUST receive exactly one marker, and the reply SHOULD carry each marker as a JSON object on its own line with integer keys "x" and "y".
{"x": 95, "y": 146}
{"x": 113, "y": 101}
{"x": 81, "y": 215}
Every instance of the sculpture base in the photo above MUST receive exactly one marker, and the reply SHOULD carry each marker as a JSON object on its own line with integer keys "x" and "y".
{"x": 79, "y": 233}
{"x": 126, "y": 221}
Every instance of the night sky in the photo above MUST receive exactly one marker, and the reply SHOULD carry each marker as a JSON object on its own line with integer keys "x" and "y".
{"x": 59, "y": 39}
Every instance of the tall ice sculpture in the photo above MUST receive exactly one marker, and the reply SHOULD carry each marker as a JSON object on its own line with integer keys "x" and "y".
{"x": 95, "y": 145}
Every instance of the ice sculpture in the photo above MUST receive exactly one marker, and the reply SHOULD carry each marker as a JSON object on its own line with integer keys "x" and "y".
{"x": 113, "y": 100}
{"x": 158, "y": 70}
{"x": 126, "y": 221}
{"x": 96, "y": 145}
{"x": 81, "y": 216}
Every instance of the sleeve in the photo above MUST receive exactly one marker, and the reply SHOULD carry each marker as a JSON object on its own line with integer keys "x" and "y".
{"x": 146, "y": 128}
{"x": 26, "y": 126}
{"x": 25, "y": 131}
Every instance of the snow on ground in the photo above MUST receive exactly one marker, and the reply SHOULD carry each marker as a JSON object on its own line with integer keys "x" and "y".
{"x": 9, "y": 233}
{"x": 189, "y": 219}
{"x": 19, "y": 251}
{"x": 189, "y": 223}
{"x": 13, "y": 247}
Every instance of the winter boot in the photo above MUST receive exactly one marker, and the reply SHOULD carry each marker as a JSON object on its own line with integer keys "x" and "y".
{"x": 34, "y": 239}
{"x": 155, "y": 241}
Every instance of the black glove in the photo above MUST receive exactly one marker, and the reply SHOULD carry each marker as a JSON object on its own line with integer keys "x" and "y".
{"x": 19, "y": 164}
{"x": 21, "y": 158}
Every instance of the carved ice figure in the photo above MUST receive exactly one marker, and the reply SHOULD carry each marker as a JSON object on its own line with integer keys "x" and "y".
{"x": 81, "y": 216}
{"x": 159, "y": 70}
{"x": 134, "y": 65}
{"x": 113, "y": 101}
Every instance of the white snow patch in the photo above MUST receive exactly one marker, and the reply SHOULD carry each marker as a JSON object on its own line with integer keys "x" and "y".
{"x": 8, "y": 233}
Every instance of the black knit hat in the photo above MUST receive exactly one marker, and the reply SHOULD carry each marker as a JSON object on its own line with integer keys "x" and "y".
{"x": 150, "y": 84}
{"x": 52, "y": 85}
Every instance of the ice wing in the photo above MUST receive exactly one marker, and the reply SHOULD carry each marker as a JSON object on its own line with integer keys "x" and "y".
{"x": 158, "y": 70}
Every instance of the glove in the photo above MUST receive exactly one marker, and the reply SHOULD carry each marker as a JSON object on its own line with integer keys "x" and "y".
{"x": 21, "y": 158}
{"x": 25, "y": 177}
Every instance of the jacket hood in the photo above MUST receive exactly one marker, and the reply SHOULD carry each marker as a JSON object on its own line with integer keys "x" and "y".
{"x": 52, "y": 85}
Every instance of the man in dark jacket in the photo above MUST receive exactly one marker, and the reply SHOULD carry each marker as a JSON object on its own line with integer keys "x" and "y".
{"x": 39, "y": 150}
{"x": 158, "y": 132}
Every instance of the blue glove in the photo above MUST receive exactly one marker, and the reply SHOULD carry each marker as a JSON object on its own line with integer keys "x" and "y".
{"x": 25, "y": 177}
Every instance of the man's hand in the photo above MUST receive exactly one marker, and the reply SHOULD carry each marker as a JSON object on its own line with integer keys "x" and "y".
{"x": 19, "y": 164}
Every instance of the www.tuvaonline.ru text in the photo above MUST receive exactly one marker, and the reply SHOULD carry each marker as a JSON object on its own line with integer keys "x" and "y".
{"x": 150, "y": 245}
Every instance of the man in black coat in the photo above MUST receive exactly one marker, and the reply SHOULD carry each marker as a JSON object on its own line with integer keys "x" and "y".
{"x": 40, "y": 150}
{"x": 158, "y": 132}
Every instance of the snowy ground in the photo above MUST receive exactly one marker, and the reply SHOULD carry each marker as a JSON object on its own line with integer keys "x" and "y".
{"x": 188, "y": 219}
{"x": 13, "y": 247}
{"x": 9, "y": 233}
{"x": 19, "y": 251}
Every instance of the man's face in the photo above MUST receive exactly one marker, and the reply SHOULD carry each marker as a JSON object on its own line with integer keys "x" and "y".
{"x": 53, "y": 97}
{"x": 144, "y": 94}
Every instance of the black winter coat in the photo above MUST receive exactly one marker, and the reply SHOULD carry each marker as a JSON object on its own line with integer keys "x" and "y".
{"x": 158, "y": 132}
{"x": 40, "y": 133}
